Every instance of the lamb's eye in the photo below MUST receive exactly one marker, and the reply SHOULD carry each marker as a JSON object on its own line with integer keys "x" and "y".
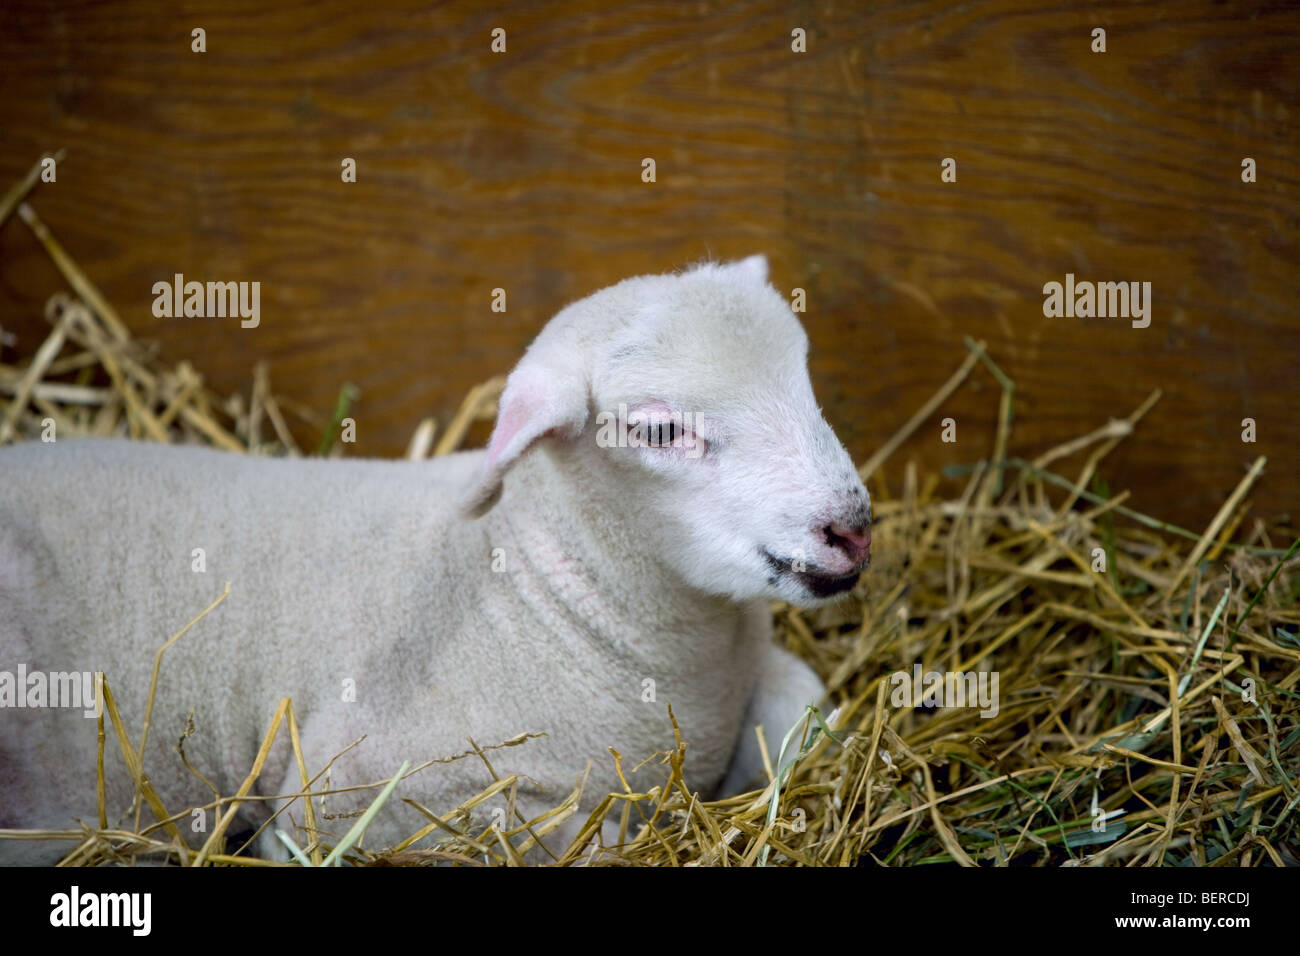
{"x": 662, "y": 428}
{"x": 660, "y": 434}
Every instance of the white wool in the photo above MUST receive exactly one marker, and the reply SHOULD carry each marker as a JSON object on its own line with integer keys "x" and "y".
{"x": 614, "y": 567}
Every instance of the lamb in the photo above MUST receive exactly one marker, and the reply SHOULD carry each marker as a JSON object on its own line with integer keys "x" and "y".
{"x": 541, "y": 585}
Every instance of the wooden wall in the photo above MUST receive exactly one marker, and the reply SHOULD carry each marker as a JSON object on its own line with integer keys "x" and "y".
{"x": 522, "y": 170}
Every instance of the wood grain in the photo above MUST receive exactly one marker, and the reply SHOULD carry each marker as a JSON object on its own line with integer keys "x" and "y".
{"x": 522, "y": 171}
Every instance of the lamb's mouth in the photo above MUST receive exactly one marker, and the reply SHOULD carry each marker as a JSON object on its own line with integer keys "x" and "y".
{"x": 816, "y": 581}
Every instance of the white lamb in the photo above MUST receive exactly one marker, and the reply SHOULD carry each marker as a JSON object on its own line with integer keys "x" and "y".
{"x": 533, "y": 587}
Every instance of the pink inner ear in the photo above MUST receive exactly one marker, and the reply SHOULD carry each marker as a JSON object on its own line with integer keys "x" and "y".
{"x": 512, "y": 418}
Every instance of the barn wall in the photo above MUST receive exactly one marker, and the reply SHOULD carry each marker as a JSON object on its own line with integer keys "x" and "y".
{"x": 523, "y": 170}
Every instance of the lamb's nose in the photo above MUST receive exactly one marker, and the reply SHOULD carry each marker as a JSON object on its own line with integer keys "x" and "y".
{"x": 855, "y": 541}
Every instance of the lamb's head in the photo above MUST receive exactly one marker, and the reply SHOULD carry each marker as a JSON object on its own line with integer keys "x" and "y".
{"x": 688, "y": 396}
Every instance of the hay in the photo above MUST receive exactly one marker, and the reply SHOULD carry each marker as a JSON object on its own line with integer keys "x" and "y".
{"x": 1148, "y": 709}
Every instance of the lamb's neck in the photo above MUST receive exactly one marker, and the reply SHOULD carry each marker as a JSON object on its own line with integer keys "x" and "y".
{"x": 574, "y": 542}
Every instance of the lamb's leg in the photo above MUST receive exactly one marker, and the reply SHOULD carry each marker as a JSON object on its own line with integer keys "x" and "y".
{"x": 786, "y": 685}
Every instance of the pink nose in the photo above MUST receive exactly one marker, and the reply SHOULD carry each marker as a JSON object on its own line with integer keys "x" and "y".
{"x": 855, "y": 542}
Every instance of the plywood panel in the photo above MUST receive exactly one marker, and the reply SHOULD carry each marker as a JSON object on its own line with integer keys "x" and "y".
{"x": 522, "y": 170}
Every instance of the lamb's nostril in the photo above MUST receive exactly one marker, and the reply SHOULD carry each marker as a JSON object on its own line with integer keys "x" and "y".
{"x": 855, "y": 541}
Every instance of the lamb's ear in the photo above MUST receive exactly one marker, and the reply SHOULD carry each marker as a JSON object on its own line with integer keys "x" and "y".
{"x": 546, "y": 395}
{"x": 753, "y": 268}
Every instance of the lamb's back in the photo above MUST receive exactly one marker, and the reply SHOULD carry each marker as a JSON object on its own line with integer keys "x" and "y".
{"x": 100, "y": 563}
